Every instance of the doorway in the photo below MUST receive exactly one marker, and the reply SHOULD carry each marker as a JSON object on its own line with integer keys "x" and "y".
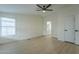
{"x": 48, "y": 27}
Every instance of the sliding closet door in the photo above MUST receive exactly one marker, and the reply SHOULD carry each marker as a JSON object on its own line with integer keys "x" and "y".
{"x": 77, "y": 29}
{"x": 69, "y": 28}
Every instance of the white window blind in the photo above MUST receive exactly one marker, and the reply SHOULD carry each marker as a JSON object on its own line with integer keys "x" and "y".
{"x": 7, "y": 26}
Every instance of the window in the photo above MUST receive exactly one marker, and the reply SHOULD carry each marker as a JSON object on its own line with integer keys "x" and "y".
{"x": 7, "y": 26}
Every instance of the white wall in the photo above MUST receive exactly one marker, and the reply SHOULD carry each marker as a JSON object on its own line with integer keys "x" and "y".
{"x": 58, "y": 18}
{"x": 53, "y": 20}
{"x": 27, "y": 26}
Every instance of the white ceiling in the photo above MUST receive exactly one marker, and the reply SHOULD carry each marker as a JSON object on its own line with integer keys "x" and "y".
{"x": 24, "y": 8}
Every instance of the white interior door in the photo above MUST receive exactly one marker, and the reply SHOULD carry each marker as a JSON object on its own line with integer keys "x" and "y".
{"x": 77, "y": 29}
{"x": 69, "y": 28}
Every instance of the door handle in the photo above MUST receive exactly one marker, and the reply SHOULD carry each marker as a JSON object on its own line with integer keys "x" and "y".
{"x": 76, "y": 30}
{"x": 65, "y": 30}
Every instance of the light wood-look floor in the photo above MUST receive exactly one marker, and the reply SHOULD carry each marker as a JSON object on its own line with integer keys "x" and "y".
{"x": 40, "y": 45}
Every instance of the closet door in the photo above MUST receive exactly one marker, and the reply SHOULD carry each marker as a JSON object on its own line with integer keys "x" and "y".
{"x": 69, "y": 28}
{"x": 77, "y": 29}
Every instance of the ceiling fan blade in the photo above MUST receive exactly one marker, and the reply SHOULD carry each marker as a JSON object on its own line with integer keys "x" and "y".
{"x": 39, "y": 6}
{"x": 49, "y": 10}
{"x": 38, "y": 10}
{"x": 48, "y": 5}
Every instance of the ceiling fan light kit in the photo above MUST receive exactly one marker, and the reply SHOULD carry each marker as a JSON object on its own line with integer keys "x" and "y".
{"x": 43, "y": 11}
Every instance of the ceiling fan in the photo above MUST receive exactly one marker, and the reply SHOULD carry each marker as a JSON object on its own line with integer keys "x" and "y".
{"x": 44, "y": 7}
